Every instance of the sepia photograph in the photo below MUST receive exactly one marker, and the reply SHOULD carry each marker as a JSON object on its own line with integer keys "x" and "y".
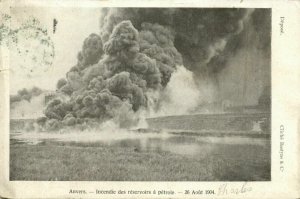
{"x": 139, "y": 94}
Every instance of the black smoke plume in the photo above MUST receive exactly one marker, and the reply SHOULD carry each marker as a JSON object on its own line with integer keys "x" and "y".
{"x": 136, "y": 53}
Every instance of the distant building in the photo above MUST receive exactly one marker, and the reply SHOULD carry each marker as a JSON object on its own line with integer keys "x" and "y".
{"x": 32, "y": 109}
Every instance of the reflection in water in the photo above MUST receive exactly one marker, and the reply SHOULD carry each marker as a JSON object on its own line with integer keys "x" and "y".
{"x": 158, "y": 142}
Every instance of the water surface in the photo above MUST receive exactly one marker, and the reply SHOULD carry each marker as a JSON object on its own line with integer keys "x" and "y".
{"x": 158, "y": 142}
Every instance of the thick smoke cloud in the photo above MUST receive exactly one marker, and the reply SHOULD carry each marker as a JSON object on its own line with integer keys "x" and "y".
{"x": 260, "y": 24}
{"x": 205, "y": 39}
{"x": 115, "y": 87}
{"x": 126, "y": 69}
{"x": 246, "y": 67}
{"x": 90, "y": 54}
{"x": 25, "y": 94}
{"x": 198, "y": 34}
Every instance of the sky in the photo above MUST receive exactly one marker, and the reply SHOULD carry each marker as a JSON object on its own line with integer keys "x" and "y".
{"x": 27, "y": 69}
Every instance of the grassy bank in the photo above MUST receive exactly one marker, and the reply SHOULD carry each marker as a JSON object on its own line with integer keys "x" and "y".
{"x": 52, "y": 161}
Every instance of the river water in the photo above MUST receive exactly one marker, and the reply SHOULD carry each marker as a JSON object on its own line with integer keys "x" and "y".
{"x": 162, "y": 141}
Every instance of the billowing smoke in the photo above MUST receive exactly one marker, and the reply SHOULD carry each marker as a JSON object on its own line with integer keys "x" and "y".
{"x": 174, "y": 98}
{"x": 90, "y": 54}
{"x": 146, "y": 60}
{"x": 112, "y": 83}
{"x": 22, "y": 103}
{"x": 25, "y": 94}
{"x": 200, "y": 34}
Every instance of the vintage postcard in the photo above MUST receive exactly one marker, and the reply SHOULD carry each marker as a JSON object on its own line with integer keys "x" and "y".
{"x": 149, "y": 99}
